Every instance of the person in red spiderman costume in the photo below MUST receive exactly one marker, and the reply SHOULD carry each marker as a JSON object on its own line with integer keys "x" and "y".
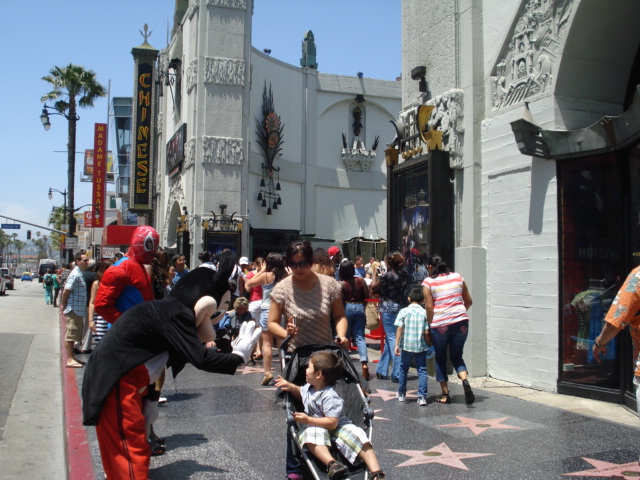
{"x": 127, "y": 283}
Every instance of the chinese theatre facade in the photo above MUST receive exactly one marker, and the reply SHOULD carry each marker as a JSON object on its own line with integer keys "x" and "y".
{"x": 537, "y": 105}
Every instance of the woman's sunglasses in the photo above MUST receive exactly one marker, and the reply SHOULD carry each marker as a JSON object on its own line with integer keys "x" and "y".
{"x": 300, "y": 264}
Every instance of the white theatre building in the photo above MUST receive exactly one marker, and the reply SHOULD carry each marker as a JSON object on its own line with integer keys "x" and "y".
{"x": 253, "y": 152}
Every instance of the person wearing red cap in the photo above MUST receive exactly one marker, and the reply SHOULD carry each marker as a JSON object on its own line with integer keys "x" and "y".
{"x": 336, "y": 256}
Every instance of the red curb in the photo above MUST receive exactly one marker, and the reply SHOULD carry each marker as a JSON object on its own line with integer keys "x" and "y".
{"x": 79, "y": 460}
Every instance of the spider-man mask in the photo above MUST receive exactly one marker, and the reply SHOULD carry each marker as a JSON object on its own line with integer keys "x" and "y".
{"x": 144, "y": 245}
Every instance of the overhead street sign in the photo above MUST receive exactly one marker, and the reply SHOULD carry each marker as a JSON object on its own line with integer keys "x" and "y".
{"x": 9, "y": 226}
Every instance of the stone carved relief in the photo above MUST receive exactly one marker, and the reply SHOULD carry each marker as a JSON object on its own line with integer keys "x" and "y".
{"x": 189, "y": 153}
{"x": 447, "y": 117}
{"x": 176, "y": 195}
{"x": 192, "y": 75}
{"x": 222, "y": 150}
{"x": 358, "y": 160}
{"x": 237, "y": 4}
{"x": 527, "y": 62}
{"x": 224, "y": 71}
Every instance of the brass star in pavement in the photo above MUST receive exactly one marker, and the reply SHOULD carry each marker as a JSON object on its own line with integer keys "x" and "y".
{"x": 479, "y": 426}
{"x": 439, "y": 454}
{"x": 609, "y": 470}
{"x": 387, "y": 395}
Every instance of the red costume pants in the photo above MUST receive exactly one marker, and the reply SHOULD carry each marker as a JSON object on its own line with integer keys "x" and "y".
{"x": 121, "y": 429}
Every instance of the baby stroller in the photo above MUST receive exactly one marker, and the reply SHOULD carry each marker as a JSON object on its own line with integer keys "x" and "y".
{"x": 351, "y": 387}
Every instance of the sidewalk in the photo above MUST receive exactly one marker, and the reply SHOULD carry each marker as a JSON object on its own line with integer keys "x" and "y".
{"x": 224, "y": 427}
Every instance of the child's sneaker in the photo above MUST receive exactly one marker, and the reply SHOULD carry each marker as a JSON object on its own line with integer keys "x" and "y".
{"x": 336, "y": 470}
{"x": 401, "y": 397}
{"x": 422, "y": 401}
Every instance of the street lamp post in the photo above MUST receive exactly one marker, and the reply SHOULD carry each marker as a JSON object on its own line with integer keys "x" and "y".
{"x": 71, "y": 158}
{"x": 64, "y": 209}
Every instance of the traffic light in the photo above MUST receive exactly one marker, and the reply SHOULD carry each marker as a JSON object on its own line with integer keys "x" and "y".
{"x": 28, "y": 234}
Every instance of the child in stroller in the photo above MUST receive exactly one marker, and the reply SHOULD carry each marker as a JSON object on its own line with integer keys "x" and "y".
{"x": 324, "y": 418}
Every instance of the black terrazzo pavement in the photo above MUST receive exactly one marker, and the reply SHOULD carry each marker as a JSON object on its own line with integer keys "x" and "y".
{"x": 230, "y": 427}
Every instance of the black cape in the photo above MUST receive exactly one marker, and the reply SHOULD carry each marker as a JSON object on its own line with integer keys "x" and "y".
{"x": 141, "y": 333}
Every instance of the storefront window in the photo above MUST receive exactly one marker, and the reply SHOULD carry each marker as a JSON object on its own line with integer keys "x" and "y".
{"x": 593, "y": 245}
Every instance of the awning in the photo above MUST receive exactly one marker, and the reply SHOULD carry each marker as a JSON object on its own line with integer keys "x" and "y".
{"x": 116, "y": 235}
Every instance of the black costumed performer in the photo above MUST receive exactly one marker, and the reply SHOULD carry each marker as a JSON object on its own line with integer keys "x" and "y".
{"x": 173, "y": 331}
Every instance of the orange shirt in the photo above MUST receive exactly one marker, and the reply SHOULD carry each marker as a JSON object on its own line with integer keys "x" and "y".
{"x": 624, "y": 311}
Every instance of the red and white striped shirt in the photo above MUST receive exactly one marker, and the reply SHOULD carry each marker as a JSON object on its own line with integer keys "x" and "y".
{"x": 446, "y": 291}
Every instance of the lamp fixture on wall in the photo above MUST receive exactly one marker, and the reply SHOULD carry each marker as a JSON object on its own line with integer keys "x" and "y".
{"x": 222, "y": 222}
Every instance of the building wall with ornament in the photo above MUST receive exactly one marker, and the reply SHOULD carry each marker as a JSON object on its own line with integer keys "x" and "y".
{"x": 541, "y": 136}
{"x": 251, "y": 151}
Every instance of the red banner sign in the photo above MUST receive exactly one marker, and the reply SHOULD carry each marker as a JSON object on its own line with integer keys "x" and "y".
{"x": 99, "y": 174}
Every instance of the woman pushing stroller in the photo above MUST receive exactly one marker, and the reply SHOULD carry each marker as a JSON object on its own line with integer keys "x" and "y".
{"x": 325, "y": 421}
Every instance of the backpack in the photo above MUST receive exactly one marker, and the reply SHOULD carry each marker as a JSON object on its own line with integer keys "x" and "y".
{"x": 233, "y": 281}
{"x": 48, "y": 280}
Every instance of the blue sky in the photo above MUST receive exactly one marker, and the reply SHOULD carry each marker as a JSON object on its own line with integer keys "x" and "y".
{"x": 351, "y": 36}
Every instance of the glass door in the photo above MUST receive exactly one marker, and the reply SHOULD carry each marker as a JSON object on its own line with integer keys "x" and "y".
{"x": 599, "y": 213}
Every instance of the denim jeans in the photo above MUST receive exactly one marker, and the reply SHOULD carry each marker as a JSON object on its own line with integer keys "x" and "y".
{"x": 388, "y": 320}
{"x": 357, "y": 321}
{"x": 421, "y": 366}
{"x": 453, "y": 336}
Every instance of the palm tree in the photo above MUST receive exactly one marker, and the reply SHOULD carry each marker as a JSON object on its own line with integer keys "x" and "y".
{"x": 19, "y": 244}
{"x": 73, "y": 87}
{"x": 4, "y": 242}
{"x": 56, "y": 218}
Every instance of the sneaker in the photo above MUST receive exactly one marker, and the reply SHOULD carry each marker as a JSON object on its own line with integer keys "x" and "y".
{"x": 401, "y": 397}
{"x": 336, "y": 470}
{"x": 294, "y": 476}
{"x": 422, "y": 401}
{"x": 162, "y": 400}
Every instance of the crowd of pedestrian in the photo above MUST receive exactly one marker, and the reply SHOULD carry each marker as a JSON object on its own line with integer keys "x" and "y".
{"x": 313, "y": 296}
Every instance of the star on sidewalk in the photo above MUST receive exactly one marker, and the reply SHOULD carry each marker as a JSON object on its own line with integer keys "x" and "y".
{"x": 441, "y": 454}
{"x": 247, "y": 370}
{"x": 608, "y": 470}
{"x": 387, "y": 395}
{"x": 479, "y": 426}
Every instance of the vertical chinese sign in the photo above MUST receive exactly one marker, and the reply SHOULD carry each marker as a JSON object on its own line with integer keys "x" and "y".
{"x": 142, "y": 135}
{"x": 99, "y": 173}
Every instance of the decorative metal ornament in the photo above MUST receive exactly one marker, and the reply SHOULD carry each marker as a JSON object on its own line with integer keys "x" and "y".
{"x": 270, "y": 139}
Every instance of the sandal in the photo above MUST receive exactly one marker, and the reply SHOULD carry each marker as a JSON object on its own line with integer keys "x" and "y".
{"x": 267, "y": 378}
{"x": 469, "y": 397}
{"x": 379, "y": 475}
{"x": 444, "y": 398}
{"x": 336, "y": 470}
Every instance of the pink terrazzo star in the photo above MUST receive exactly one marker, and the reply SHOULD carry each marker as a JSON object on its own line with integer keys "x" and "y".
{"x": 609, "y": 470}
{"x": 387, "y": 395}
{"x": 247, "y": 370}
{"x": 479, "y": 426}
{"x": 377, "y": 417}
{"x": 439, "y": 454}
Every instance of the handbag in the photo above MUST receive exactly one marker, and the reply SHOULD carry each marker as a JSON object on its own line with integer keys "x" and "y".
{"x": 372, "y": 315}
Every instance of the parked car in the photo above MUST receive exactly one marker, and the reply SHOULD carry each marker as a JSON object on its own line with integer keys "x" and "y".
{"x": 26, "y": 276}
{"x": 3, "y": 287}
{"x": 7, "y": 277}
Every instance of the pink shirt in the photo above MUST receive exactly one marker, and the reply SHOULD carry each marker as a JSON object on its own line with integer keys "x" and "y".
{"x": 446, "y": 291}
